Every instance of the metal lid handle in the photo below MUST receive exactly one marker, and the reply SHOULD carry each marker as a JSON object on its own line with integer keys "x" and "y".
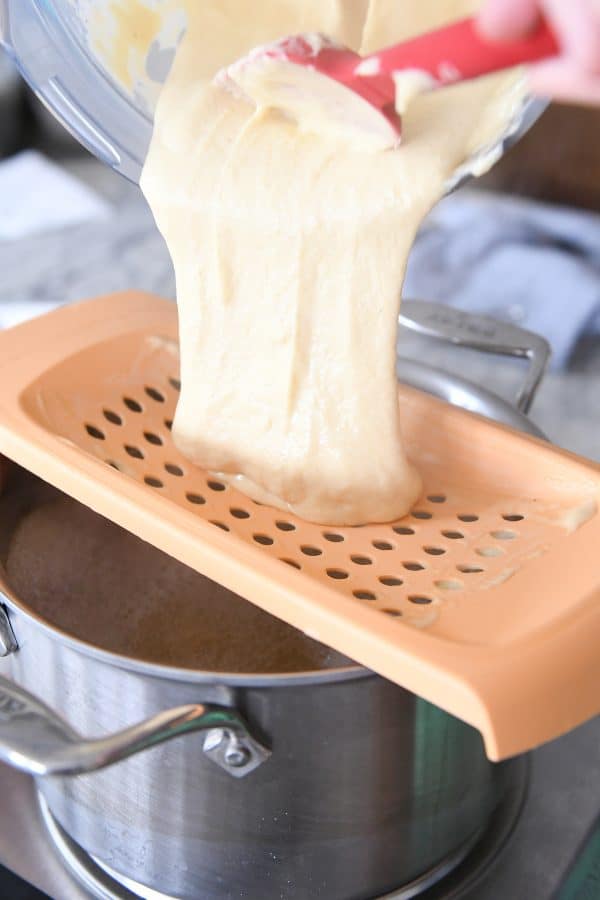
{"x": 445, "y": 323}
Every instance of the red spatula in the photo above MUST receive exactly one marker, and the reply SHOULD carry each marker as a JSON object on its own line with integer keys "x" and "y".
{"x": 309, "y": 76}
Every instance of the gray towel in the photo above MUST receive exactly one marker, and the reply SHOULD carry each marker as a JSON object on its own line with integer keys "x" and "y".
{"x": 529, "y": 263}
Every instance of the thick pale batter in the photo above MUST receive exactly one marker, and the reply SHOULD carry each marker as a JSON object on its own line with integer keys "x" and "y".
{"x": 290, "y": 249}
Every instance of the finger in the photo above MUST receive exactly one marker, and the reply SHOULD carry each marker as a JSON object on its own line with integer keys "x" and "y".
{"x": 504, "y": 20}
{"x": 577, "y": 24}
{"x": 563, "y": 80}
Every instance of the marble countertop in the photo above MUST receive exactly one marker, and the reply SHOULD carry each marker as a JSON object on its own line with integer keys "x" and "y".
{"x": 126, "y": 252}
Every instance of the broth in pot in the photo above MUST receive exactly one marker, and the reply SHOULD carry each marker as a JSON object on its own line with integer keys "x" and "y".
{"x": 97, "y": 582}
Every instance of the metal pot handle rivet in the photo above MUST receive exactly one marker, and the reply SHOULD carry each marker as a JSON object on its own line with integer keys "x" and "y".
{"x": 444, "y": 323}
{"x": 35, "y": 740}
{"x": 225, "y": 749}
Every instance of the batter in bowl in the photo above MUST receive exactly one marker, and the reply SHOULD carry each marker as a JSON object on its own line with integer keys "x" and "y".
{"x": 290, "y": 250}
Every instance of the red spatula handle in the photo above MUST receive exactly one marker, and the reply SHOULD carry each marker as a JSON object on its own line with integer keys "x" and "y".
{"x": 459, "y": 51}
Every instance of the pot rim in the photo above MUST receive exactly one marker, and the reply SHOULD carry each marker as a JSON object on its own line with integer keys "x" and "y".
{"x": 432, "y": 380}
{"x": 175, "y": 673}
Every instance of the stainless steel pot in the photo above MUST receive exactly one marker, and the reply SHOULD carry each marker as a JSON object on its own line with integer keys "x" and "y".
{"x": 335, "y": 784}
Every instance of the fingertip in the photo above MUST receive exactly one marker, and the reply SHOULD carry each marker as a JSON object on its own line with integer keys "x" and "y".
{"x": 505, "y": 20}
{"x": 491, "y": 24}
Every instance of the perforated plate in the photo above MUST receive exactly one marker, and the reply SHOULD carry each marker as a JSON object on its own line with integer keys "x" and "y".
{"x": 484, "y": 599}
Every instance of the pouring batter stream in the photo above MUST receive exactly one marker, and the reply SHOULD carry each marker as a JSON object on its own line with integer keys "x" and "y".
{"x": 289, "y": 251}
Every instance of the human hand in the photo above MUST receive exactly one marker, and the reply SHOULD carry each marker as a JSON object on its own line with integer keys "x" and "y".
{"x": 575, "y": 75}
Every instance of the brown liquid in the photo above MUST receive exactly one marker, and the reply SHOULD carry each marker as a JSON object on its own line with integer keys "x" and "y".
{"x": 97, "y": 582}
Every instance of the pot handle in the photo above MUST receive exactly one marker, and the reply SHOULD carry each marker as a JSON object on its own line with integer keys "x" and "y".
{"x": 445, "y": 323}
{"x": 35, "y": 740}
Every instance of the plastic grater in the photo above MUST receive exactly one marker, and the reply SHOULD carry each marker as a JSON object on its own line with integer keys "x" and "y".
{"x": 484, "y": 600}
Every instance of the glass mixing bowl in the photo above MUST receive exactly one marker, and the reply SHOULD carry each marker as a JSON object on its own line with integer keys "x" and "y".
{"x": 53, "y": 45}
{"x": 65, "y": 49}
